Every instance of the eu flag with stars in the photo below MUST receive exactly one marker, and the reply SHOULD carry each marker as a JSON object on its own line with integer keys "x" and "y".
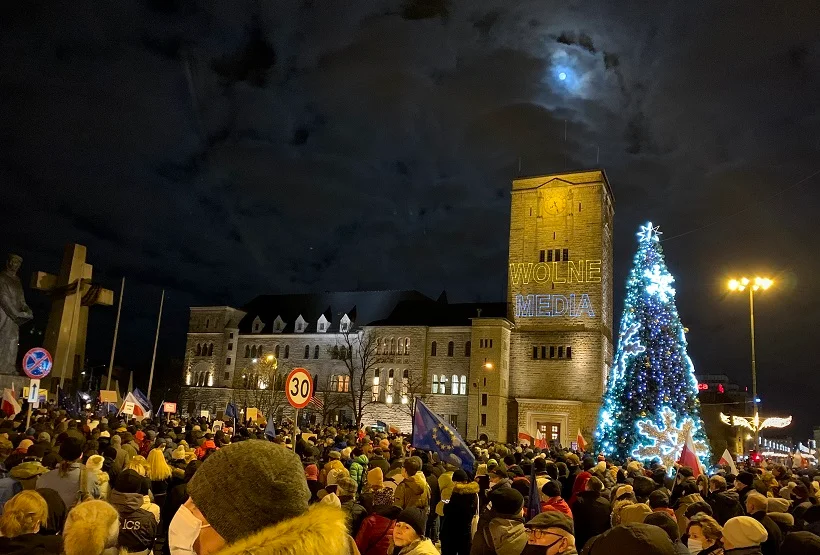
{"x": 431, "y": 433}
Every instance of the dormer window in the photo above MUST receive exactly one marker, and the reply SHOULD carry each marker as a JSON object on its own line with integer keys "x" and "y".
{"x": 301, "y": 324}
{"x": 257, "y": 325}
{"x": 344, "y": 324}
{"x": 278, "y": 325}
{"x": 322, "y": 325}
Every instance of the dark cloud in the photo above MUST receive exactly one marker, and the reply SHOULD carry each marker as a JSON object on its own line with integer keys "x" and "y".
{"x": 221, "y": 150}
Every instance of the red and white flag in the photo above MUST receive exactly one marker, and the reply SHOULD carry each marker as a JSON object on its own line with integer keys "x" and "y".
{"x": 726, "y": 458}
{"x": 688, "y": 456}
{"x": 582, "y": 445}
{"x": 10, "y": 404}
{"x": 140, "y": 411}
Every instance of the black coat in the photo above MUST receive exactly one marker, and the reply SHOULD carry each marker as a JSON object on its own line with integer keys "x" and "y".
{"x": 32, "y": 544}
{"x": 725, "y": 505}
{"x": 459, "y": 511}
{"x": 355, "y": 514}
{"x": 772, "y": 545}
{"x": 590, "y": 514}
{"x": 138, "y": 527}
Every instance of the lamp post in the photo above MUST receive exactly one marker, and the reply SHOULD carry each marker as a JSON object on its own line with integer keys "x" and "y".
{"x": 486, "y": 366}
{"x": 739, "y": 286}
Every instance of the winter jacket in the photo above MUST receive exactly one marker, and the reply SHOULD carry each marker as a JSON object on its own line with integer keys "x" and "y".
{"x": 376, "y": 532}
{"x": 32, "y": 544}
{"x": 413, "y": 492}
{"x": 138, "y": 528}
{"x": 591, "y": 516}
{"x": 9, "y": 487}
{"x": 378, "y": 461}
{"x": 680, "y": 510}
{"x": 357, "y": 470}
{"x": 772, "y": 545}
{"x": 27, "y": 473}
{"x": 68, "y": 485}
{"x": 556, "y": 504}
{"x": 422, "y": 546}
{"x": 459, "y": 511}
{"x": 744, "y": 551}
{"x": 322, "y": 530}
{"x": 499, "y": 534}
{"x": 355, "y": 513}
{"x": 207, "y": 446}
{"x": 373, "y": 499}
{"x": 725, "y": 505}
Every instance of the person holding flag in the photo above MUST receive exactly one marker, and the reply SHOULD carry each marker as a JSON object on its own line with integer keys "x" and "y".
{"x": 431, "y": 433}
{"x": 11, "y": 407}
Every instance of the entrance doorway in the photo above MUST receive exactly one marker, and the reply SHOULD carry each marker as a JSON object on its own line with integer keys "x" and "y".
{"x": 549, "y": 433}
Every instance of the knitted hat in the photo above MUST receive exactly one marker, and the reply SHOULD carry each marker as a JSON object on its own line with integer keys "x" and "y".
{"x": 105, "y": 433}
{"x": 311, "y": 472}
{"x": 43, "y": 436}
{"x": 71, "y": 449}
{"x": 334, "y": 455}
{"x": 375, "y": 478}
{"x": 384, "y": 444}
{"x": 460, "y": 476}
{"x": 247, "y": 486}
{"x": 658, "y": 499}
{"x": 572, "y": 459}
{"x": 552, "y": 519}
{"x": 346, "y": 486}
{"x": 178, "y": 454}
{"x": 636, "y": 512}
{"x": 506, "y": 501}
{"x": 600, "y": 467}
{"x": 640, "y": 539}
{"x": 331, "y": 499}
{"x": 346, "y": 452}
{"x": 622, "y": 490}
{"x": 744, "y": 531}
{"x": 335, "y": 475}
{"x": 666, "y": 523}
{"x": 746, "y": 478}
{"x": 415, "y": 518}
{"x": 481, "y": 470}
{"x": 777, "y": 505}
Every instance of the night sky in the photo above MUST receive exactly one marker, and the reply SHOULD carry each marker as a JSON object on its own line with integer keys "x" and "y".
{"x": 222, "y": 150}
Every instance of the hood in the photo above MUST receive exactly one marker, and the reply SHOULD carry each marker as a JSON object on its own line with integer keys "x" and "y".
{"x": 466, "y": 489}
{"x": 728, "y": 496}
{"x": 208, "y": 444}
{"x": 416, "y": 483}
{"x": 508, "y": 535}
{"x": 125, "y": 502}
{"x": 322, "y": 530}
{"x": 784, "y": 519}
{"x": 361, "y": 459}
{"x": 26, "y": 470}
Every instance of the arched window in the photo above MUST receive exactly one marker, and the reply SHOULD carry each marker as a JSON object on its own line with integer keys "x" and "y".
{"x": 253, "y": 351}
{"x": 307, "y": 351}
{"x": 454, "y": 388}
{"x": 467, "y": 348}
{"x": 316, "y": 352}
{"x": 287, "y": 351}
{"x": 451, "y": 349}
{"x": 392, "y": 345}
{"x": 463, "y": 389}
{"x": 207, "y": 323}
{"x": 385, "y": 346}
{"x": 211, "y": 349}
{"x": 198, "y": 349}
{"x": 435, "y": 383}
{"x": 374, "y": 388}
{"x": 407, "y": 345}
{"x": 259, "y": 351}
{"x": 276, "y": 351}
{"x": 433, "y": 346}
{"x": 247, "y": 351}
{"x": 442, "y": 384}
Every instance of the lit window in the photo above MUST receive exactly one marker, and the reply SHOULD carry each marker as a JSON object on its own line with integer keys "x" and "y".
{"x": 463, "y": 389}
{"x": 442, "y": 384}
{"x": 405, "y": 385}
{"x": 389, "y": 389}
{"x": 435, "y": 383}
{"x": 375, "y": 386}
{"x": 407, "y": 345}
{"x": 454, "y": 388}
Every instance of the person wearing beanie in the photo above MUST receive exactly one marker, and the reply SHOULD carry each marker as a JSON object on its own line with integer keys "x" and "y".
{"x": 138, "y": 526}
{"x": 743, "y": 535}
{"x": 252, "y": 497}
{"x": 500, "y": 529}
{"x": 95, "y": 465}
{"x": 408, "y": 534}
{"x": 312, "y": 477}
{"x": 550, "y": 533}
{"x": 356, "y": 513}
{"x": 590, "y": 512}
{"x": 413, "y": 490}
{"x": 756, "y": 507}
{"x": 551, "y": 499}
{"x": 670, "y": 526}
{"x": 377, "y": 459}
{"x": 375, "y": 493}
{"x": 71, "y": 480}
{"x": 458, "y": 515}
{"x": 743, "y": 485}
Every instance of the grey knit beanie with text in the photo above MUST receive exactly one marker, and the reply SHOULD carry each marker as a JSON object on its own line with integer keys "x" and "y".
{"x": 247, "y": 486}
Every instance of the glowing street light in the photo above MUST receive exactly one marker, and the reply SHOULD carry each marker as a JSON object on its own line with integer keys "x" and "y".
{"x": 740, "y": 285}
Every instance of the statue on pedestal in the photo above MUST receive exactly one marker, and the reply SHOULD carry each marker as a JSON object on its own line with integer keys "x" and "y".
{"x": 14, "y": 312}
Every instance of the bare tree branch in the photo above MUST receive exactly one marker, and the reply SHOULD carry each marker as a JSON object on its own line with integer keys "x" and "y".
{"x": 359, "y": 351}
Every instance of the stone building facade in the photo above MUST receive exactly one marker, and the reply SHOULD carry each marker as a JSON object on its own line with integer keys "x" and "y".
{"x": 533, "y": 365}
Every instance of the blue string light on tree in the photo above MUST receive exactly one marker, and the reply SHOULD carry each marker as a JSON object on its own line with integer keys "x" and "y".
{"x": 651, "y": 369}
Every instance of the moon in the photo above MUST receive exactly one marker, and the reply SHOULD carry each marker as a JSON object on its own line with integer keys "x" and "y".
{"x": 562, "y": 76}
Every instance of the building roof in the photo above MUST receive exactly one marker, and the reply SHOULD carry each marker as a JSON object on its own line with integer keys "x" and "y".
{"x": 362, "y": 307}
{"x": 427, "y": 312}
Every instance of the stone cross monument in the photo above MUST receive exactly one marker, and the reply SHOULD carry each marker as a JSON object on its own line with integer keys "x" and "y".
{"x": 14, "y": 312}
{"x": 72, "y": 294}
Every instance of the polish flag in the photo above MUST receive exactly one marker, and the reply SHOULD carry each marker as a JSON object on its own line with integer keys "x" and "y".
{"x": 140, "y": 411}
{"x": 688, "y": 457}
{"x": 582, "y": 445}
{"x": 525, "y": 437}
{"x": 726, "y": 458}
{"x": 10, "y": 406}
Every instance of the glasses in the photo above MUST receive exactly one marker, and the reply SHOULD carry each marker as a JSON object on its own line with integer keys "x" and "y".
{"x": 540, "y": 533}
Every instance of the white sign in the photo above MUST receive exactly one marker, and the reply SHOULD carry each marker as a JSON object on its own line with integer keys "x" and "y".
{"x": 34, "y": 391}
{"x": 217, "y": 425}
{"x": 204, "y": 413}
{"x": 169, "y": 408}
{"x": 128, "y": 408}
{"x": 299, "y": 388}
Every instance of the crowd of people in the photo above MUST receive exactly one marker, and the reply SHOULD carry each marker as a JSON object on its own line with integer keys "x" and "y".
{"x": 96, "y": 485}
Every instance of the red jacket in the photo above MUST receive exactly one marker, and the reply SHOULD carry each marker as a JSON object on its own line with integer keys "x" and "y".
{"x": 556, "y": 504}
{"x": 207, "y": 446}
{"x": 374, "y": 535}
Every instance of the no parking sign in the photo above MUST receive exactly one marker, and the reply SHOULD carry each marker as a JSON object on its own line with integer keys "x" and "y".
{"x": 37, "y": 363}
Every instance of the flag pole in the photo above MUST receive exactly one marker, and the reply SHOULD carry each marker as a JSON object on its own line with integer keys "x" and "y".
{"x": 116, "y": 331}
{"x": 156, "y": 340}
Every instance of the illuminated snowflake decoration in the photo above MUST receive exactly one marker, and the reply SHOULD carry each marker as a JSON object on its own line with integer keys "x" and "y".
{"x": 660, "y": 284}
{"x": 667, "y": 440}
{"x": 649, "y": 233}
{"x": 631, "y": 347}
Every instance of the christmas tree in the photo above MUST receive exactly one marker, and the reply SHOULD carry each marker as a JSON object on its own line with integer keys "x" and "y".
{"x": 651, "y": 402}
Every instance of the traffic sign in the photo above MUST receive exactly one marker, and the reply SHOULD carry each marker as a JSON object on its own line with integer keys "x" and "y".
{"x": 299, "y": 388}
{"x": 37, "y": 363}
{"x": 34, "y": 391}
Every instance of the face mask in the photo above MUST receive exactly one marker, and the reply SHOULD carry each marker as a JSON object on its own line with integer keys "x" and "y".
{"x": 535, "y": 550}
{"x": 694, "y": 546}
{"x": 184, "y": 531}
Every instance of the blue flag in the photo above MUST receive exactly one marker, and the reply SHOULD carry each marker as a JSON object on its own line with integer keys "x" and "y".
{"x": 142, "y": 398}
{"x": 270, "y": 429}
{"x": 230, "y": 411}
{"x": 160, "y": 410}
{"x": 534, "y": 499}
{"x": 431, "y": 433}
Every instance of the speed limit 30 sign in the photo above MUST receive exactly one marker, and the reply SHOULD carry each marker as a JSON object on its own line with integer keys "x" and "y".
{"x": 299, "y": 388}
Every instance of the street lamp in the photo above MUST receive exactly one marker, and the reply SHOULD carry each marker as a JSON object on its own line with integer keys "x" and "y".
{"x": 485, "y": 366}
{"x": 739, "y": 286}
